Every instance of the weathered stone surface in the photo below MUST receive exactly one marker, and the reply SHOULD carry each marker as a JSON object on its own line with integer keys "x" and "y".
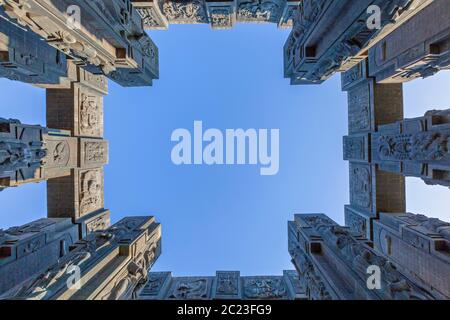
{"x": 313, "y": 53}
{"x": 419, "y": 245}
{"x": 109, "y": 38}
{"x": 34, "y": 153}
{"x": 43, "y": 65}
{"x": 334, "y": 263}
{"x": 412, "y": 50}
{"x": 225, "y": 285}
{"x": 158, "y": 14}
{"x": 416, "y": 147}
{"x": 32, "y": 248}
{"x": 113, "y": 265}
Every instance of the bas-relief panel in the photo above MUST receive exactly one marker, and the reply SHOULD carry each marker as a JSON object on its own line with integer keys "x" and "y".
{"x": 361, "y": 186}
{"x": 91, "y": 190}
{"x": 264, "y": 288}
{"x": 90, "y": 117}
{"x": 195, "y": 288}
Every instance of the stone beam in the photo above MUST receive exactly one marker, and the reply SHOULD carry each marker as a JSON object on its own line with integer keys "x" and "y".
{"x": 223, "y": 14}
{"x": 227, "y": 285}
{"x": 34, "y": 153}
{"x": 105, "y": 37}
{"x": 334, "y": 263}
{"x": 418, "y": 147}
{"x": 333, "y": 36}
{"x": 113, "y": 265}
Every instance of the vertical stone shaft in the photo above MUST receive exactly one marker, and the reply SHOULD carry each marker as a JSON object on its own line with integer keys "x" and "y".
{"x": 370, "y": 106}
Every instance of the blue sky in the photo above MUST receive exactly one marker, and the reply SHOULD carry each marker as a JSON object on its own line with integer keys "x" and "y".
{"x": 223, "y": 217}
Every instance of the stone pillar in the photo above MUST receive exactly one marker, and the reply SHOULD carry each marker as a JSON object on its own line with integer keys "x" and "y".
{"x": 34, "y": 153}
{"x": 416, "y": 147}
{"x": 333, "y": 36}
{"x": 30, "y": 249}
{"x": 420, "y": 246}
{"x": 79, "y": 110}
{"x": 418, "y": 48}
{"x": 105, "y": 37}
{"x": 370, "y": 106}
{"x": 334, "y": 263}
{"x": 112, "y": 265}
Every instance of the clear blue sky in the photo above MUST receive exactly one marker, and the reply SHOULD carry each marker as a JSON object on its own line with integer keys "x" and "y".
{"x": 223, "y": 217}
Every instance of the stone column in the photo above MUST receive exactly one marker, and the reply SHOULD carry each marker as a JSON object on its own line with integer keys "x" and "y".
{"x": 111, "y": 264}
{"x": 31, "y": 153}
{"x": 370, "y": 106}
{"x": 420, "y": 246}
{"x": 79, "y": 110}
{"x": 333, "y": 36}
{"x": 30, "y": 249}
{"x": 334, "y": 263}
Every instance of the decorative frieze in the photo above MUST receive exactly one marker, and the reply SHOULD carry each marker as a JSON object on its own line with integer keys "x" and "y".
{"x": 221, "y": 14}
{"x": 416, "y": 147}
{"x": 259, "y": 10}
{"x": 225, "y": 285}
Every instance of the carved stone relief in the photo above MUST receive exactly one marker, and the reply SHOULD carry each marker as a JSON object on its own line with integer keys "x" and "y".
{"x": 258, "y": 11}
{"x": 91, "y": 191}
{"x": 227, "y": 284}
{"x": 190, "y": 289}
{"x": 422, "y": 146}
{"x": 361, "y": 186}
{"x": 90, "y": 115}
{"x": 192, "y": 11}
{"x": 264, "y": 288}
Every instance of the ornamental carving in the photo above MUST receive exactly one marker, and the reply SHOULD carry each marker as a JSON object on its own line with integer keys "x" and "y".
{"x": 90, "y": 120}
{"x": 91, "y": 195}
{"x": 190, "y": 289}
{"x": 227, "y": 284}
{"x": 361, "y": 186}
{"x": 185, "y": 12}
{"x": 220, "y": 17}
{"x": 422, "y": 146}
{"x": 259, "y": 10}
{"x": 264, "y": 288}
{"x": 95, "y": 152}
{"x": 16, "y": 155}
